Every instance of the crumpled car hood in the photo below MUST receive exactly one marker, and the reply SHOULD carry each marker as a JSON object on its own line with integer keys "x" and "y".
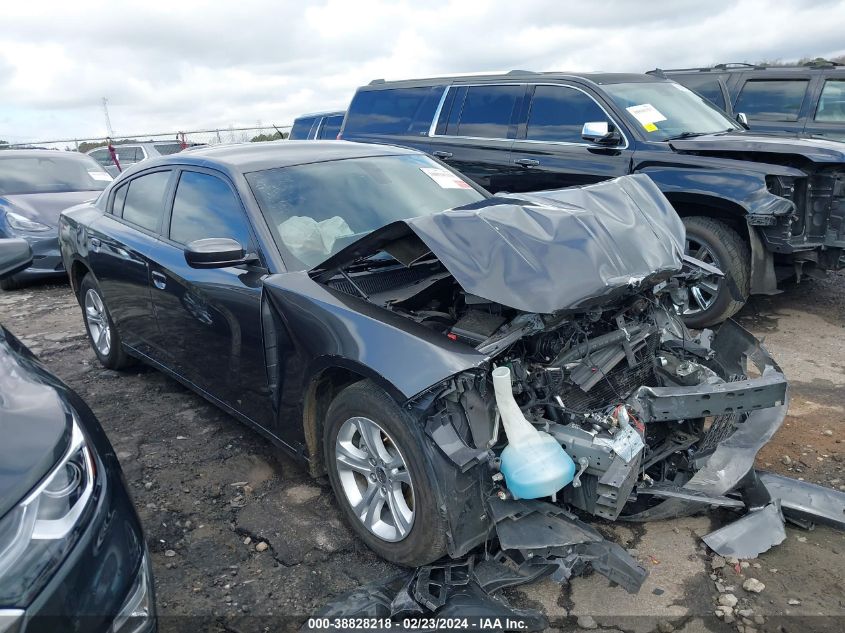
{"x": 548, "y": 251}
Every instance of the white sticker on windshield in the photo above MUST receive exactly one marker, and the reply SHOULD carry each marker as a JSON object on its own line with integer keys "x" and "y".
{"x": 446, "y": 179}
{"x": 99, "y": 175}
{"x": 646, "y": 113}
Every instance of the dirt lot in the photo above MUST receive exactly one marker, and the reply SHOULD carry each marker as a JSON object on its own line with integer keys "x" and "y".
{"x": 239, "y": 533}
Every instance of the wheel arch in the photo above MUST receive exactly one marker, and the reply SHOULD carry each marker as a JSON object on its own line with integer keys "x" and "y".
{"x": 762, "y": 270}
{"x": 326, "y": 382}
{"x": 76, "y": 273}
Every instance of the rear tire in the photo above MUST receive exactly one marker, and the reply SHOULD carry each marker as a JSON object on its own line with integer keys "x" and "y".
{"x": 102, "y": 334}
{"x": 715, "y": 242}
{"x": 362, "y": 421}
{"x": 10, "y": 283}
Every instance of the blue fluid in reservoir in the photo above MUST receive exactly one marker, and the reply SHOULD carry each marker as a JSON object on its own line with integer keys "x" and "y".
{"x": 536, "y": 469}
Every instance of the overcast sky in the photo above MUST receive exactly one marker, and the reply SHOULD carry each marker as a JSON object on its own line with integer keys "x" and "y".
{"x": 183, "y": 64}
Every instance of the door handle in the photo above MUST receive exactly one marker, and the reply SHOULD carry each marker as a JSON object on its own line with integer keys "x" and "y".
{"x": 159, "y": 280}
{"x": 95, "y": 244}
{"x": 527, "y": 162}
{"x": 442, "y": 154}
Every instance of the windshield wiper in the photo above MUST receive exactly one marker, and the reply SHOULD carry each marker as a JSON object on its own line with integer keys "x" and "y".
{"x": 686, "y": 135}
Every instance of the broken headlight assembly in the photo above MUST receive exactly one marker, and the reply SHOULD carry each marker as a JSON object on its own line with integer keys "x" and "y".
{"x": 36, "y": 534}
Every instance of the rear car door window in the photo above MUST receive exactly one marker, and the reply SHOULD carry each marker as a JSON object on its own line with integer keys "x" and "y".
{"x": 205, "y": 206}
{"x": 102, "y": 156}
{"x": 396, "y": 111}
{"x": 145, "y": 200}
{"x": 165, "y": 149}
{"x": 707, "y": 87}
{"x": 119, "y": 200}
{"x": 831, "y": 108}
{"x": 487, "y": 111}
{"x": 772, "y": 99}
{"x": 558, "y": 113}
{"x": 128, "y": 155}
{"x": 301, "y": 128}
{"x": 331, "y": 127}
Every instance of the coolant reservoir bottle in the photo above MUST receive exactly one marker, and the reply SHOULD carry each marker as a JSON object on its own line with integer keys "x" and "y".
{"x": 534, "y": 465}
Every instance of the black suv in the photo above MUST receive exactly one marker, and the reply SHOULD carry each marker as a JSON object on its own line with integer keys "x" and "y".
{"x": 807, "y": 99}
{"x": 753, "y": 205}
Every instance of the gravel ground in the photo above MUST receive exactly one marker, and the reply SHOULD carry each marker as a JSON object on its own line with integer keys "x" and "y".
{"x": 239, "y": 532}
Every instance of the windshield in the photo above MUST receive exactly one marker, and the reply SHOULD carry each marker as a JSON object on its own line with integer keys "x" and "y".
{"x": 47, "y": 174}
{"x": 316, "y": 210}
{"x": 666, "y": 110}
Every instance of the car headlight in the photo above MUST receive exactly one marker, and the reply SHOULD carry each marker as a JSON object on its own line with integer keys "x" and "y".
{"x": 23, "y": 223}
{"x": 37, "y": 533}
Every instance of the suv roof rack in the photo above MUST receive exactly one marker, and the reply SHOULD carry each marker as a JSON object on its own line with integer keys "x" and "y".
{"x": 818, "y": 62}
{"x": 821, "y": 62}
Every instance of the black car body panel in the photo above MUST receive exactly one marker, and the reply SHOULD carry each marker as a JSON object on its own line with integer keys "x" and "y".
{"x": 90, "y": 584}
{"x": 327, "y": 328}
{"x": 34, "y": 424}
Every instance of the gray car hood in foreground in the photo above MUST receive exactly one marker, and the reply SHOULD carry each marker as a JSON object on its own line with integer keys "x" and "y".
{"x": 544, "y": 252}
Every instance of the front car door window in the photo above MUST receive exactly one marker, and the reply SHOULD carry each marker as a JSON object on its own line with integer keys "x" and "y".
{"x": 831, "y": 108}
{"x": 558, "y": 113}
{"x": 772, "y": 99}
{"x": 205, "y": 206}
{"x": 144, "y": 203}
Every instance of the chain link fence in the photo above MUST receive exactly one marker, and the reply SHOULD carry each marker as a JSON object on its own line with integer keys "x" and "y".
{"x": 214, "y": 136}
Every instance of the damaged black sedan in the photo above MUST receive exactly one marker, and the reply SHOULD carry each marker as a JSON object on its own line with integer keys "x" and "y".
{"x": 465, "y": 368}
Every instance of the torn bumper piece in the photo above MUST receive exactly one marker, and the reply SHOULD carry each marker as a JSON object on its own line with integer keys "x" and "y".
{"x": 537, "y": 539}
{"x": 543, "y": 533}
{"x": 450, "y": 589}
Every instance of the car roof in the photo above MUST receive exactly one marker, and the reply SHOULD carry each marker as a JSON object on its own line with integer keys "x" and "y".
{"x": 521, "y": 76}
{"x": 36, "y": 153}
{"x": 248, "y": 157}
{"x": 327, "y": 113}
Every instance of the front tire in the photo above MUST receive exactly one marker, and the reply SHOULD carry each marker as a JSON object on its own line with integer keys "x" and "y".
{"x": 102, "y": 334}
{"x": 714, "y": 242}
{"x": 381, "y": 477}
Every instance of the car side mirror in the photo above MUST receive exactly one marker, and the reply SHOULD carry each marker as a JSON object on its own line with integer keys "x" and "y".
{"x": 15, "y": 256}
{"x": 601, "y": 132}
{"x": 216, "y": 252}
{"x": 742, "y": 119}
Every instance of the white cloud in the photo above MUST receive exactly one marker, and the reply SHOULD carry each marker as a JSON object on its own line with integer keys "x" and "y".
{"x": 168, "y": 65}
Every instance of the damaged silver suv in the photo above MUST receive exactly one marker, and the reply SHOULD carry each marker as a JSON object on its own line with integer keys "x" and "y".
{"x": 466, "y": 368}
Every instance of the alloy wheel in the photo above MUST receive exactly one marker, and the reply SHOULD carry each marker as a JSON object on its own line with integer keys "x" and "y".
{"x": 704, "y": 293}
{"x": 375, "y": 478}
{"x": 98, "y": 322}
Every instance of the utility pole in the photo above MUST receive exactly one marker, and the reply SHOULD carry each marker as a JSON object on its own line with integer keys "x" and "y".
{"x": 106, "y": 113}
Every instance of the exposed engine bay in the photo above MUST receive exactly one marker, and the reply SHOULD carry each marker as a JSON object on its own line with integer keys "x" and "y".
{"x": 653, "y": 420}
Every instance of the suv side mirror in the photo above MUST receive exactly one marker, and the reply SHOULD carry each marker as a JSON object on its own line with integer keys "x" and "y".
{"x": 15, "y": 256}
{"x": 600, "y": 132}
{"x": 216, "y": 252}
{"x": 742, "y": 119}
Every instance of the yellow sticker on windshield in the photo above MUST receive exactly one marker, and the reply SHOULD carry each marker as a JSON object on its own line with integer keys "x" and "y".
{"x": 650, "y": 127}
